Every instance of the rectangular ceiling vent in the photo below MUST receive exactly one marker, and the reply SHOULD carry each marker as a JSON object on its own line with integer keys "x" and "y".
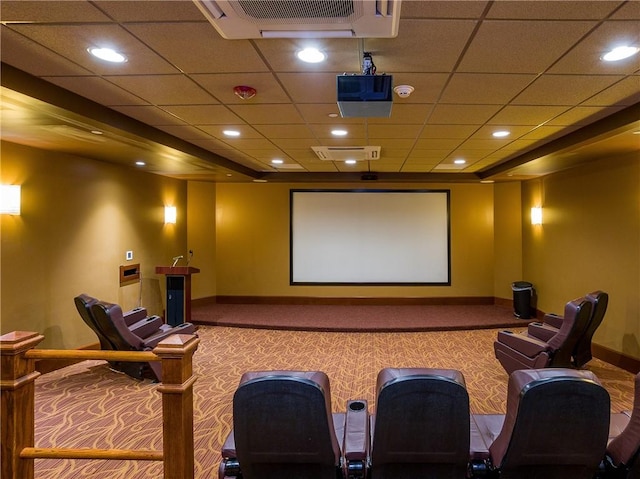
{"x": 245, "y": 19}
{"x": 342, "y": 153}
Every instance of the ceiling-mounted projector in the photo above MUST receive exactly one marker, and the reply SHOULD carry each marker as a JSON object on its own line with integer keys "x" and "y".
{"x": 365, "y": 95}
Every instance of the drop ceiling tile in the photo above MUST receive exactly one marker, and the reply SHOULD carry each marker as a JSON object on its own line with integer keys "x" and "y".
{"x": 319, "y": 113}
{"x": 24, "y": 11}
{"x": 72, "y": 42}
{"x": 285, "y": 131}
{"x": 585, "y": 57}
{"x": 428, "y": 87}
{"x": 496, "y": 89}
{"x": 626, "y": 92}
{"x": 404, "y": 113}
{"x": 485, "y": 144}
{"x": 151, "y": 115}
{"x": 22, "y": 53}
{"x": 422, "y": 46}
{"x": 462, "y": 114}
{"x": 323, "y": 131}
{"x": 97, "y": 89}
{"x": 302, "y": 155}
{"x": 526, "y": 115}
{"x": 394, "y": 153}
{"x": 388, "y": 144}
{"x": 164, "y": 89}
{"x": 393, "y": 131}
{"x": 317, "y": 87}
{"x": 204, "y": 114}
{"x": 442, "y": 9}
{"x": 152, "y": 11}
{"x": 217, "y": 131}
{"x": 428, "y": 155}
{"x": 552, "y": 10}
{"x": 448, "y": 131}
{"x": 291, "y": 144}
{"x": 521, "y": 46}
{"x": 544, "y": 132}
{"x": 221, "y": 86}
{"x": 437, "y": 144}
{"x": 343, "y": 54}
{"x": 198, "y": 48}
{"x": 246, "y": 145}
{"x": 628, "y": 11}
{"x": 267, "y": 114}
{"x": 185, "y": 132}
{"x": 563, "y": 89}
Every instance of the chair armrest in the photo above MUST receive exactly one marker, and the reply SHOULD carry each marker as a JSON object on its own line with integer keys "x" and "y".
{"x": 542, "y": 331}
{"x": 146, "y": 327}
{"x": 553, "y": 319}
{"x": 356, "y": 438}
{"x": 525, "y": 345}
{"x": 134, "y": 315}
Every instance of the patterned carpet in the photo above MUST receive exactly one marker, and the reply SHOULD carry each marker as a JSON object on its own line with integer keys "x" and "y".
{"x": 88, "y": 405}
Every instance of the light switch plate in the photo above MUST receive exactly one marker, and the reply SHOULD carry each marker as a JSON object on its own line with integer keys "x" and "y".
{"x": 129, "y": 255}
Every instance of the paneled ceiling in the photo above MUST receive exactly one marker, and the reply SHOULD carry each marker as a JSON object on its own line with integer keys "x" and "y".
{"x": 533, "y": 68}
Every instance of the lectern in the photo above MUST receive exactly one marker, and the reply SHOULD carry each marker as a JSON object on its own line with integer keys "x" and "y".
{"x": 178, "y": 292}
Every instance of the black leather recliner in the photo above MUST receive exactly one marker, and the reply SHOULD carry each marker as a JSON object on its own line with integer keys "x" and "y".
{"x": 556, "y": 426}
{"x": 551, "y": 324}
{"x": 110, "y": 320}
{"x": 420, "y": 428}
{"x": 283, "y": 427}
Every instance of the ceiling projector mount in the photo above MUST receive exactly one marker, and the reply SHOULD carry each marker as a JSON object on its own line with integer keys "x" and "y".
{"x": 365, "y": 95}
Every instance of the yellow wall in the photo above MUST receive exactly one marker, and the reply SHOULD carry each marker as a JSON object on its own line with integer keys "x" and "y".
{"x": 201, "y": 237}
{"x": 507, "y": 237}
{"x": 78, "y": 219}
{"x": 253, "y": 243}
{"x": 589, "y": 240}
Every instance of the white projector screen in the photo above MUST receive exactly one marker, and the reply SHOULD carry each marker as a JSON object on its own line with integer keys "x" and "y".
{"x": 372, "y": 237}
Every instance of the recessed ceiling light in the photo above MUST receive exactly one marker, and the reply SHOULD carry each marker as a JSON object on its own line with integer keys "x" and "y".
{"x": 500, "y": 133}
{"x": 96, "y": 132}
{"x": 231, "y": 132}
{"x": 350, "y": 162}
{"x": 459, "y": 161}
{"x": 332, "y": 115}
{"x": 486, "y": 182}
{"x": 620, "y": 53}
{"x": 108, "y": 55}
{"x": 140, "y": 163}
{"x": 311, "y": 55}
{"x": 277, "y": 161}
{"x": 259, "y": 180}
{"x": 339, "y": 132}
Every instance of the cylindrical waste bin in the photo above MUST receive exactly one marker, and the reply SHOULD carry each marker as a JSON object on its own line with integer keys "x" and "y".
{"x": 522, "y": 292}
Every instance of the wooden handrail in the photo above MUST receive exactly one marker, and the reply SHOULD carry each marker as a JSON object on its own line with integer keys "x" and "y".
{"x": 87, "y": 354}
{"x": 108, "y": 454}
{"x": 17, "y": 376}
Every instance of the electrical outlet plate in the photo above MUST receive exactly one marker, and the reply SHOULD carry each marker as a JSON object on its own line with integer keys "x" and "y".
{"x": 129, "y": 255}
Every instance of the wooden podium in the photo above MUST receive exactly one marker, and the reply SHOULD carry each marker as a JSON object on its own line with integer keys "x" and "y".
{"x": 178, "y": 308}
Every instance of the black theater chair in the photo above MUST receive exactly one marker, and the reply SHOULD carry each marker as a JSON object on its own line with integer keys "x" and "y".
{"x": 522, "y": 351}
{"x": 110, "y": 321}
{"x": 420, "y": 428}
{"x": 551, "y": 323}
{"x": 136, "y": 320}
{"x": 283, "y": 428}
{"x": 556, "y": 426}
{"x": 622, "y": 459}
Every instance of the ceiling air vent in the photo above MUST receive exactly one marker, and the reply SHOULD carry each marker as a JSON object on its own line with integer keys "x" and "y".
{"x": 342, "y": 153}
{"x": 244, "y": 19}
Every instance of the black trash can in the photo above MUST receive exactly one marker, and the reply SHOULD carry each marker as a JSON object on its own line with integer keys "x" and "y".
{"x": 522, "y": 292}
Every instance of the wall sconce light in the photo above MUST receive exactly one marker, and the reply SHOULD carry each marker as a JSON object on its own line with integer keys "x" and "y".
{"x": 170, "y": 215}
{"x": 536, "y": 215}
{"x": 10, "y": 199}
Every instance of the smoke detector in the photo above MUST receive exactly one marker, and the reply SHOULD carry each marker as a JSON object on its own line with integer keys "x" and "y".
{"x": 403, "y": 91}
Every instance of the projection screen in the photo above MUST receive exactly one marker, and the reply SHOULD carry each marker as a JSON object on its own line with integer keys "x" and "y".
{"x": 369, "y": 237}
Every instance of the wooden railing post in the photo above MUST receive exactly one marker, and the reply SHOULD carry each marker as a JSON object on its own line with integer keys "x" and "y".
{"x": 17, "y": 414}
{"x": 176, "y": 353}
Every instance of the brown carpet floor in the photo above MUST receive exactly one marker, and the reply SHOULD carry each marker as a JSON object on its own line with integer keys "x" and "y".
{"x": 88, "y": 405}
